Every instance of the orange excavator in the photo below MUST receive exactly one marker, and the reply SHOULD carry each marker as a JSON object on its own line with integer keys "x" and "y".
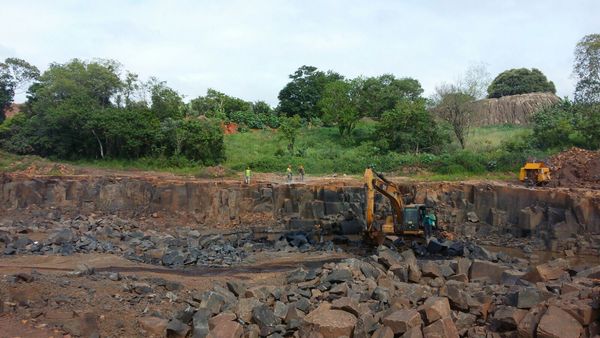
{"x": 405, "y": 220}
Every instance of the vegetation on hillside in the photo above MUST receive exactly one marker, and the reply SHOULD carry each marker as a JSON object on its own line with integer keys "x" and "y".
{"x": 81, "y": 110}
{"x": 94, "y": 112}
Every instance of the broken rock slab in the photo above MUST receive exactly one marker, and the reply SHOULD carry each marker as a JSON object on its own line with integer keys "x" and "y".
{"x": 443, "y": 328}
{"x": 557, "y": 323}
{"x": 506, "y": 318}
{"x": 528, "y": 325}
{"x": 435, "y": 308}
{"x": 548, "y": 271}
{"x": 227, "y": 329}
{"x": 402, "y": 320}
{"x": 330, "y": 323}
{"x": 484, "y": 270}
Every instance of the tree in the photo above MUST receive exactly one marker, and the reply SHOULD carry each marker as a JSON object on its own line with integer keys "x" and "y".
{"x": 261, "y": 107}
{"x": 7, "y": 93}
{"x": 15, "y": 74}
{"x": 451, "y": 101}
{"x": 453, "y": 107}
{"x": 203, "y": 141}
{"x": 379, "y": 94}
{"x": 556, "y": 126}
{"x": 339, "y": 107}
{"x": 217, "y": 104}
{"x": 520, "y": 81}
{"x": 166, "y": 102}
{"x": 475, "y": 81}
{"x": 589, "y": 125}
{"x": 302, "y": 94}
{"x": 410, "y": 127}
{"x": 587, "y": 69}
{"x": 289, "y": 128}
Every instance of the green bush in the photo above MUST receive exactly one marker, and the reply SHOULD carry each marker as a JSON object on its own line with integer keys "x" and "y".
{"x": 463, "y": 161}
{"x": 410, "y": 127}
{"x": 520, "y": 81}
{"x": 253, "y": 120}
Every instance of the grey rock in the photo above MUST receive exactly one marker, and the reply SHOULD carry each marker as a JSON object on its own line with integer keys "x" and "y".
{"x": 339, "y": 275}
{"x": 265, "y": 319}
{"x": 176, "y": 328}
{"x": 200, "y": 323}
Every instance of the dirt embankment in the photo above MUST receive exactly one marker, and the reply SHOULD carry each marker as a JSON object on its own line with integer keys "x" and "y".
{"x": 576, "y": 167}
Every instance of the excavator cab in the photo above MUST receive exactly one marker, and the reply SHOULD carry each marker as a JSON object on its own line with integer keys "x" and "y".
{"x": 413, "y": 218}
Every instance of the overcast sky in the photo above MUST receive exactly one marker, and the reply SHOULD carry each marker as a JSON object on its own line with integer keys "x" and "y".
{"x": 248, "y": 48}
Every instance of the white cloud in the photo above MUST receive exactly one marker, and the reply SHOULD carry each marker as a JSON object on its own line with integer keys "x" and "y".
{"x": 248, "y": 48}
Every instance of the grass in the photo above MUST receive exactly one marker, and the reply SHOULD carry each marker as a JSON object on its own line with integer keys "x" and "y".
{"x": 141, "y": 164}
{"x": 323, "y": 152}
{"x": 483, "y": 139}
{"x": 322, "y": 148}
{"x": 326, "y": 153}
{"x": 10, "y": 162}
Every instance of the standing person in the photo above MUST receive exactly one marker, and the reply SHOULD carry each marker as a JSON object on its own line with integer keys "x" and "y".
{"x": 247, "y": 174}
{"x": 301, "y": 172}
{"x": 289, "y": 173}
{"x": 429, "y": 223}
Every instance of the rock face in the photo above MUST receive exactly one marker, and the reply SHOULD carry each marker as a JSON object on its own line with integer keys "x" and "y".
{"x": 514, "y": 109}
{"x": 529, "y": 211}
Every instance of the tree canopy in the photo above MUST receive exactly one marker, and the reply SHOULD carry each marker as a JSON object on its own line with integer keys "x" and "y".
{"x": 15, "y": 74}
{"x": 302, "y": 94}
{"x": 587, "y": 69}
{"x": 339, "y": 107}
{"x": 520, "y": 81}
{"x": 376, "y": 95}
{"x": 86, "y": 110}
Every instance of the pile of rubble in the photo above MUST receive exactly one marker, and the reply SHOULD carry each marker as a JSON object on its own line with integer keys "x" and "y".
{"x": 393, "y": 294}
{"x": 389, "y": 294}
{"x": 576, "y": 168}
{"x": 182, "y": 247}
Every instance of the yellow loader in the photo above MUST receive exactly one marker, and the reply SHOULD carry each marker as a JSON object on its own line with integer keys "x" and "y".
{"x": 534, "y": 174}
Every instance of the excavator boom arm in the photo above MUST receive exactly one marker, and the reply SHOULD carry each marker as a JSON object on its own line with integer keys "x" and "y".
{"x": 377, "y": 182}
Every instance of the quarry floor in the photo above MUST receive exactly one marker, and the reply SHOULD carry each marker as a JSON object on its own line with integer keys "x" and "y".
{"x": 47, "y": 296}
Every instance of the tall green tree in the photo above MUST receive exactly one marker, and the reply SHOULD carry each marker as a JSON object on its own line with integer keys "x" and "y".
{"x": 166, "y": 102}
{"x": 339, "y": 106}
{"x": 377, "y": 95}
{"x": 302, "y": 94}
{"x": 587, "y": 69}
{"x": 520, "y": 81}
{"x": 15, "y": 74}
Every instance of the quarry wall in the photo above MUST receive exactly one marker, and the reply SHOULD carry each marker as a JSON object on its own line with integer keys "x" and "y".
{"x": 335, "y": 206}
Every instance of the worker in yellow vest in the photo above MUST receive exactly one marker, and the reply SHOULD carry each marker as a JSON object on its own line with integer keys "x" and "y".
{"x": 247, "y": 175}
{"x": 289, "y": 173}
